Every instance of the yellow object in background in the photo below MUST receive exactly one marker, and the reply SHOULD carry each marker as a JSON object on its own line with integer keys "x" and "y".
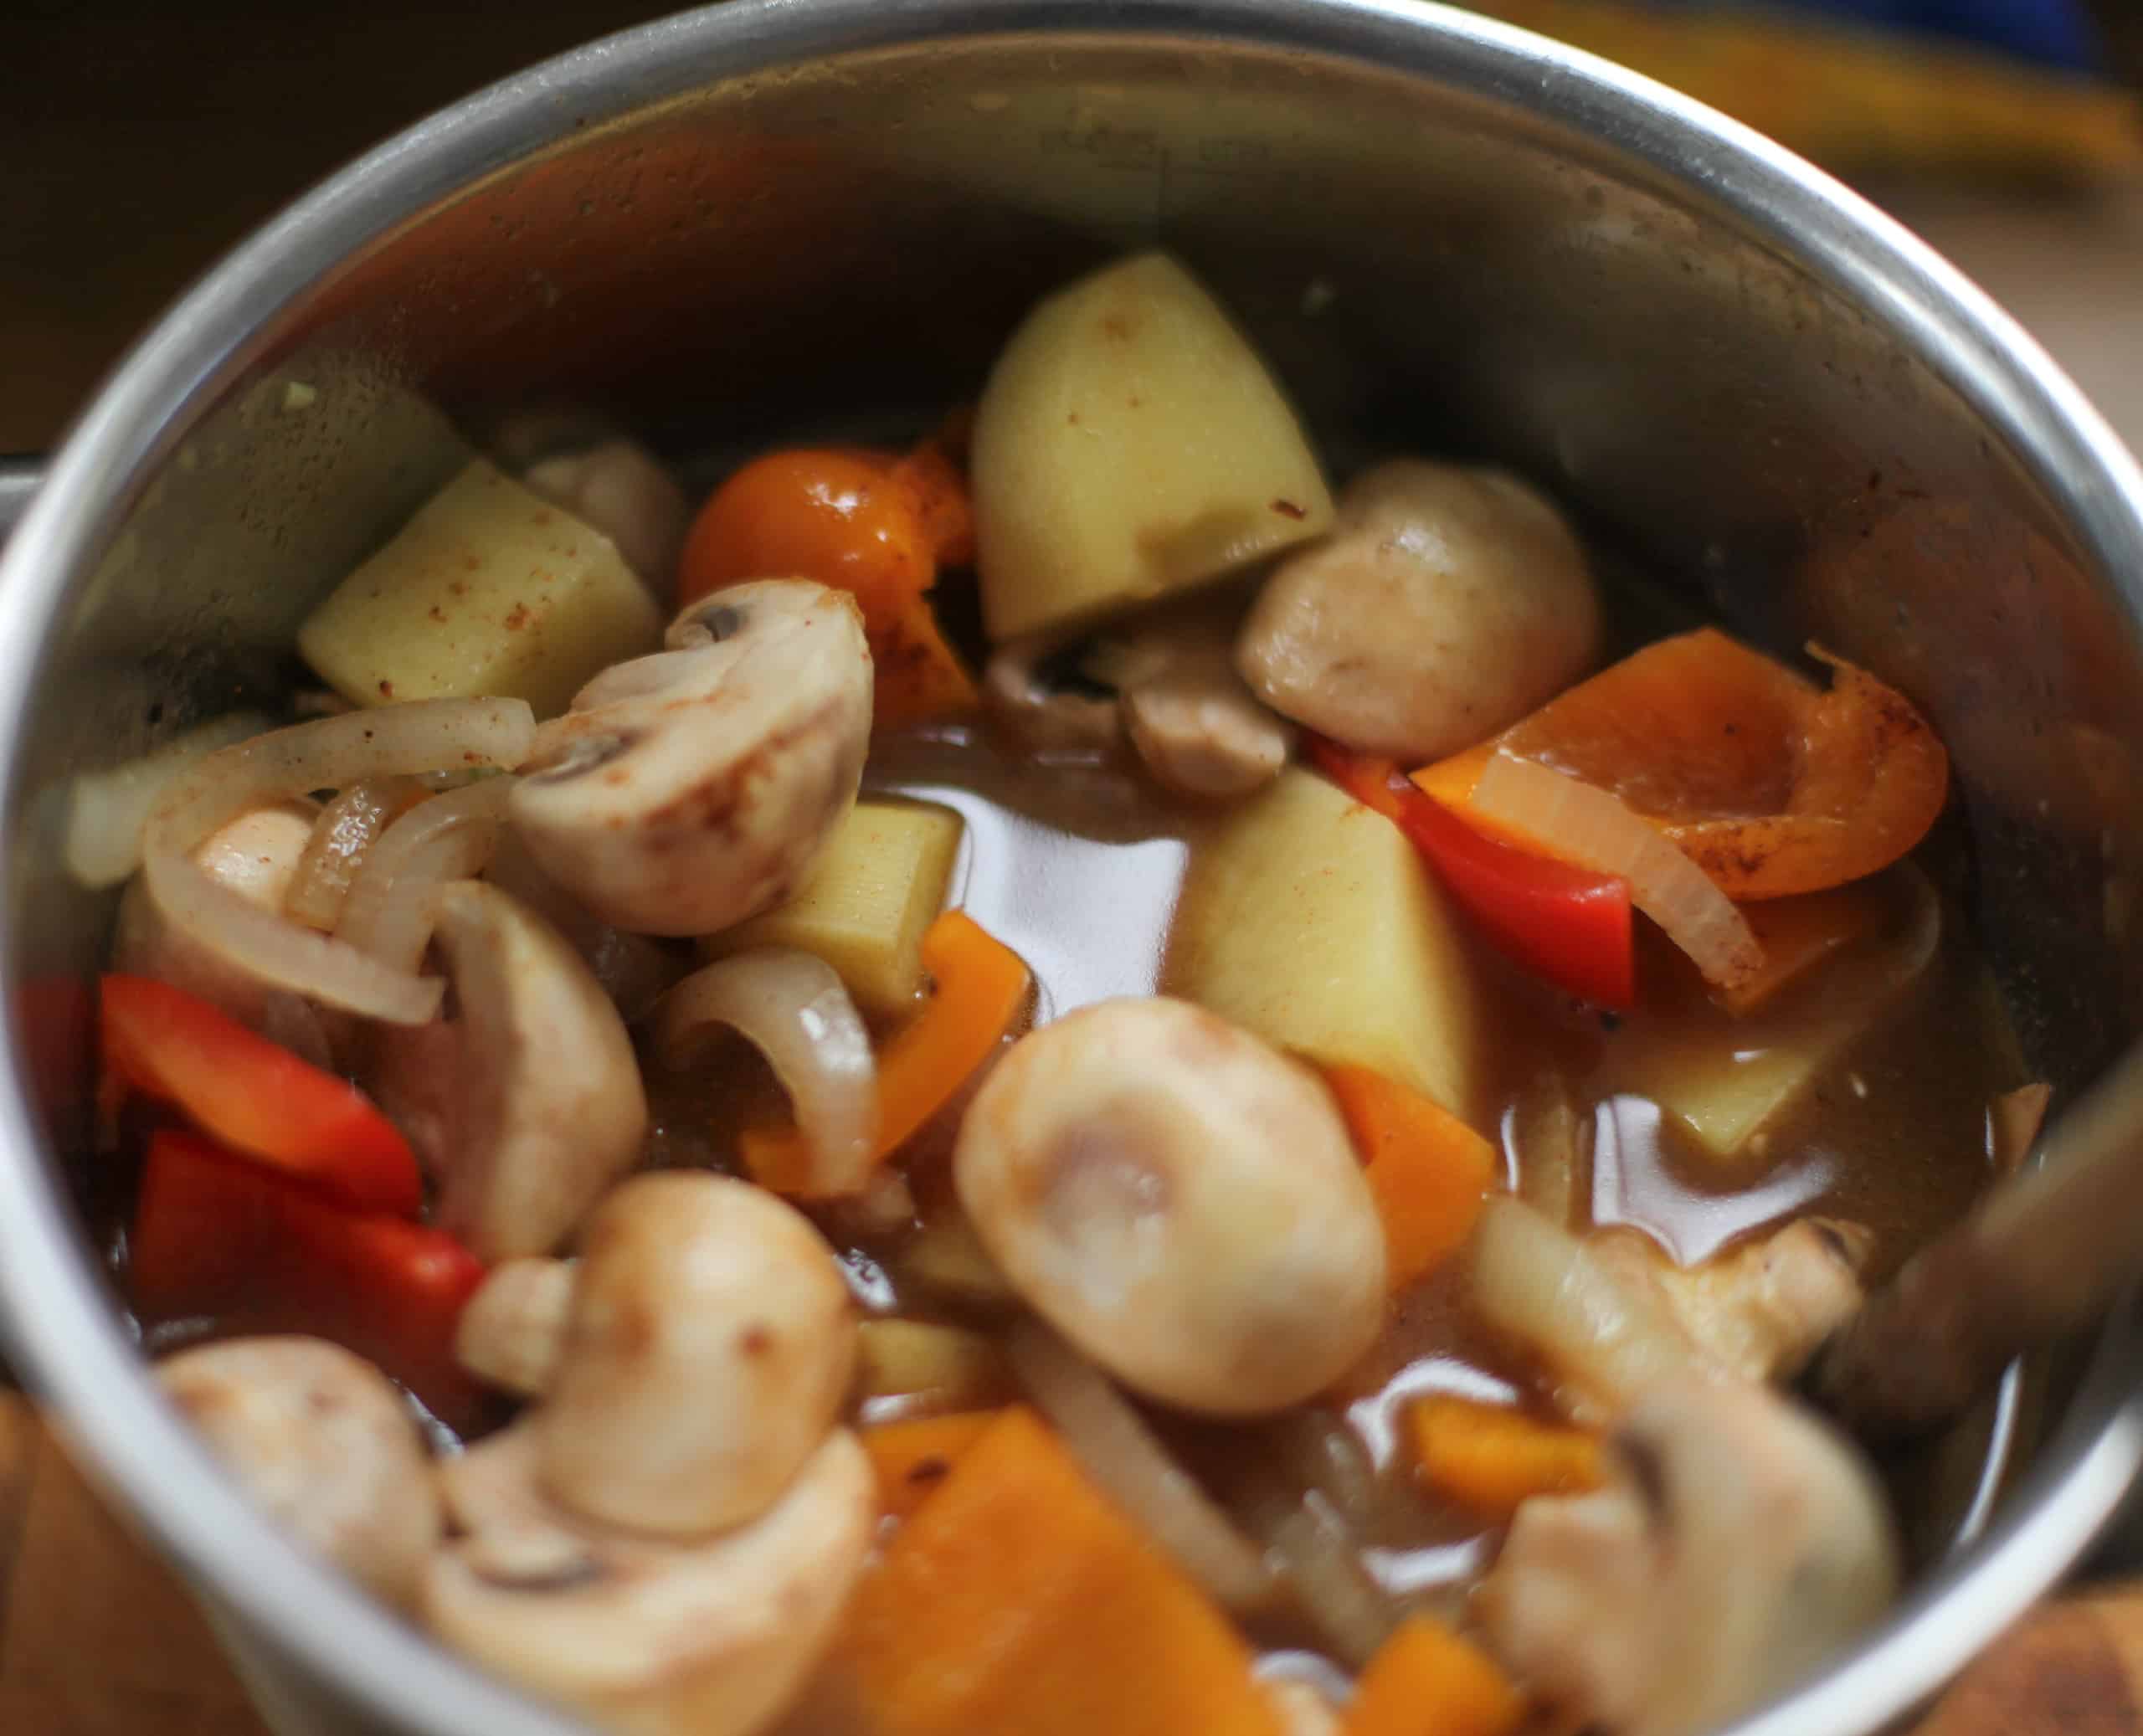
{"x": 1861, "y": 101}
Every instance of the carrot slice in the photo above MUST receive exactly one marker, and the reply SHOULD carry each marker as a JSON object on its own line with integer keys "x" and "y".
{"x": 1425, "y": 1681}
{"x": 1769, "y": 783}
{"x": 1018, "y": 1602}
{"x": 912, "y": 1458}
{"x": 978, "y": 985}
{"x": 1490, "y": 1457}
{"x": 1428, "y": 1171}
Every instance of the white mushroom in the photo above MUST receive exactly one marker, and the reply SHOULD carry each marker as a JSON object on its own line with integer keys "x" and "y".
{"x": 1033, "y": 688}
{"x": 624, "y": 490}
{"x": 1738, "y": 1543}
{"x": 529, "y": 1104}
{"x": 1180, "y": 1201}
{"x": 1200, "y": 730}
{"x": 1446, "y": 605}
{"x": 256, "y": 855}
{"x": 633, "y": 970}
{"x": 324, "y": 1444}
{"x": 712, "y": 1637}
{"x": 708, "y": 1348}
{"x": 687, "y": 790}
{"x": 511, "y": 1330}
{"x": 1760, "y": 1310}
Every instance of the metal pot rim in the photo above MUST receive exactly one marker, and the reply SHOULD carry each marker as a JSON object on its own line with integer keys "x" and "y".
{"x": 59, "y": 1326}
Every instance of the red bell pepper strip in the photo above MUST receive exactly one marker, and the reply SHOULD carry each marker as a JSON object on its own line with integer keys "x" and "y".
{"x": 1566, "y": 924}
{"x": 255, "y": 1095}
{"x": 216, "y": 1233}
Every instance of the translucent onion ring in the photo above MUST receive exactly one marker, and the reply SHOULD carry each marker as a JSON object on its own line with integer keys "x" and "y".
{"x": 329, "y": 753}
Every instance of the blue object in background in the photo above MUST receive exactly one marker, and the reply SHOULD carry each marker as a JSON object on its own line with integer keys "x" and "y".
{"x": 2054, "y": 33}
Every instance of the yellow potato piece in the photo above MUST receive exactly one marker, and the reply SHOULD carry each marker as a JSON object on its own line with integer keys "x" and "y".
{"x": 488, "y": 590}
{"x": 1311, "y": 920}
{"x": 1726, "y": 1083}
{"x": 1130, "y": 443}
{"x": 945, "y": 1368}
{"x": 882, "y": 880}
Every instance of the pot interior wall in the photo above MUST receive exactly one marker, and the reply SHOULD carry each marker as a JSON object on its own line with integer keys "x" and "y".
{"x": 1438, "y": 270}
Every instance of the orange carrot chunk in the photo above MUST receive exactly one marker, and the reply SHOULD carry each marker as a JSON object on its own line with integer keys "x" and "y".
{"x": 1428, "y": 1171}
{"x": 1018, "y": 1602}
{"x": 1490, "y": 1457}
{"x": 1425, "y": 1681}
{"x": 914, "y": 1458}
{"x": 978, "y": 987}
{"x": 1768, "y": 782}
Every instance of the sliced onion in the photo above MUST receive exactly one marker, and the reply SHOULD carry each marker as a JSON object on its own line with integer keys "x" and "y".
{"x": 1121, "y": 1453}
{"x": 344, "y": 832}
{"x": 106, "y": 810}
{"x": 328, "y": 753}
{"x": 1595, "y": 829}
{"x": 393, "y": 902}
{"x": 1539, "y": 1284}
{"x": 792, "y": 1008}
{"x": 1322, "y": 1560}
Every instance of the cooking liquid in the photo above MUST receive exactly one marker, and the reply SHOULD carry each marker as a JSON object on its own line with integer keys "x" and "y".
{"x": 1078, "y": 864}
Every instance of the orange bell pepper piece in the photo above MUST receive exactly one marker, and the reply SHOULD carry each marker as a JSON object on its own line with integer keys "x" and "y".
{"x": 1429, "y": 1173}
{"x": 1769, "y": 783}
{"x": 1490, "y": 1457}
{"x": 1425, "y": 1681}
{"x": 871, "y": 523}
{"x": 1018, "y": 1602}
{"x": 978, "y": 987}
{"x": 912, "y": 1457}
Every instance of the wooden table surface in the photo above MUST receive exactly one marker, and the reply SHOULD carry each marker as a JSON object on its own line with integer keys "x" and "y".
{"x": 150, "y": 138}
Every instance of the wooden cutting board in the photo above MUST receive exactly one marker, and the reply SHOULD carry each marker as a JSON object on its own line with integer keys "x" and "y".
{"x": 97, "y": 1639}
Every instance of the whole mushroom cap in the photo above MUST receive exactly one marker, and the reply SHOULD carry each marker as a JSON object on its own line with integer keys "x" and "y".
{"x": 1181, "y": 1201}
{"x": 324, "y": 1443}
{"x": 708, "y": 1347}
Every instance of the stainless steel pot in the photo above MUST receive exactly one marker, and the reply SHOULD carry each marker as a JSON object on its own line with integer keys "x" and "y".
{"x": 1444, "y": 231}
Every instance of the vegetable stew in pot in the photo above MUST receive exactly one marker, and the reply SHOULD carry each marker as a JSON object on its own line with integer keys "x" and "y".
{"x": 1048, "y": 1080}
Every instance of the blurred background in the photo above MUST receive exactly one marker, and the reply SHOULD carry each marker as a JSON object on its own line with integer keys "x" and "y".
{"x": 140, "y": 139}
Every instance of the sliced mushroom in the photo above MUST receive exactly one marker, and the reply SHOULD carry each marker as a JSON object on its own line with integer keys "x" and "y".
{"x": 1034, "y": 687}
{"x": 527, "y": 1106}
{"x": 325, "y": 1446}
{"x": 624, "y": 490}
{"x": 512, "y": 1330}
{"x": 1446, "y": 605}
{"x": 714, "y": 1637}
{"x": 257, "y": 855}
{"x": 1197, "y": 726}
{"x": 1180, "y": 1201}
{"x": 1760, "y": 1310}
{"x": 1737, "y": 1542}
{"x": 687, "y": 790}
{"x": 708, "y": 1348}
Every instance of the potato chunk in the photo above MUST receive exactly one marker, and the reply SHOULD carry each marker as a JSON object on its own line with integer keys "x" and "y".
{"x": 1130, "y": 443}
{"x": 863, "y": 909}
{"x": 1311, "y": 920}
{"x": 1726, "y": 1087}
{"x": 488, "y": 590}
